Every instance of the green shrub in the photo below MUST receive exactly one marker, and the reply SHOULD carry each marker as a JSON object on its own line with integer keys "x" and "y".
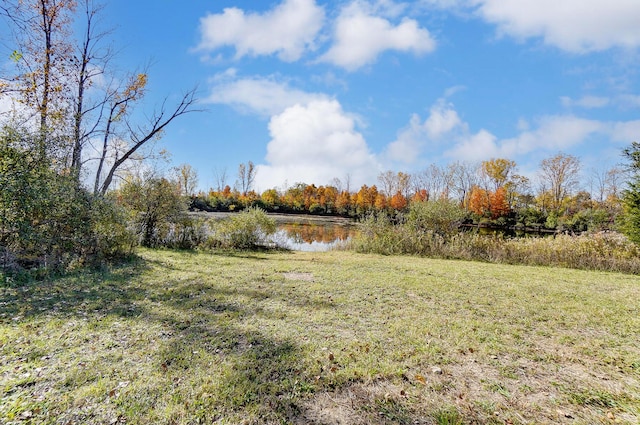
{"x": 441, "y": 217}
{"x": 424, "y": 230}
{"x": 248, "y": 229}
{"x": 112, "y": 238}
{"x": 47, "y": 222}
{"x": 156, "y": 209}
{"x": 531, "y": 217}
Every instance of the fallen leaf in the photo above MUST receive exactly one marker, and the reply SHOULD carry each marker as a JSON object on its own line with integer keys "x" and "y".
{"x": 421, "y": 379}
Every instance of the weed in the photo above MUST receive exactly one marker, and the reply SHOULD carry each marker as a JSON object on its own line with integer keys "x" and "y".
{"x": 448, "y": 416}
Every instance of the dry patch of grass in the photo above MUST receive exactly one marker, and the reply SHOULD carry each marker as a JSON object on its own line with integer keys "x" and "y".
{"x": 321, "y": 338}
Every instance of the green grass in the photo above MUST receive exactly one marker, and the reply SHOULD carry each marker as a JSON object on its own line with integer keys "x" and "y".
{"x": 320, "y": 338}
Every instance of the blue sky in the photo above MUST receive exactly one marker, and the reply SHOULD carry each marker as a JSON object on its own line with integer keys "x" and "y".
{"x": 311, "y": 90}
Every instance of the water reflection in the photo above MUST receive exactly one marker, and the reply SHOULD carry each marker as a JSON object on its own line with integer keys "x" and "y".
{"x": 313, "y": 237}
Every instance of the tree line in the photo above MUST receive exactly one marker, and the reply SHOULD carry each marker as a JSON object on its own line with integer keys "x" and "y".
{"x": 492, "y": 192}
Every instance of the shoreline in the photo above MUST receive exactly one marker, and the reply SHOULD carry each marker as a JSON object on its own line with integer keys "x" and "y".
{"x": 283, "y": 218}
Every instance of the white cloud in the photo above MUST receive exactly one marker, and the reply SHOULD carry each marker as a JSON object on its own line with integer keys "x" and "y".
{"x": 360, "y": 37}
{"x": 288, "y": 30}
{"x": 556, "y": 132}
{"x": 625, "y": 132}
{"x": 444, "y": 131}
{"x": 409, "y": 144}
{"x": 475, "y": 147}
{"x": 573, "y": 25}
{"x": 629, "y": 100}
{"x": 442, "y": 120}
{"x": 315, "y": 143}
{"x": 588, "y": 102}
{"x": 551, "y": 133}
{"x": 259, "y": 95}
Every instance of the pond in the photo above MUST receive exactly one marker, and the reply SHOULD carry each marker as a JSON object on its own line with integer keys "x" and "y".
{"x": 306, "y": 236}
{"x": 303, "y": 232}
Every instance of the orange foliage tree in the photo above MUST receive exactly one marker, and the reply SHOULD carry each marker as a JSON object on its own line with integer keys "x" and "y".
{"x": 398, "y": 201}
{"x": 499, "y": 205}
{"x": 487, "y": 203}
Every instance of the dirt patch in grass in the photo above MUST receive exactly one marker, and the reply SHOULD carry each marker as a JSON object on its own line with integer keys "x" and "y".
{"x": 305, "y": 277}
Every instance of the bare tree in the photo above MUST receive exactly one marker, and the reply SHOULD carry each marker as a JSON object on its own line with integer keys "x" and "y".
{"x": 464, "y": 176}
{"x": 90, "y": 62}
{"x": 141, "y": 134}
{"x": 246, "y": 176}
{"x": 436, "y": 180}
{"x": 598, "y": 184}
{"x": 615, "y": 178}
{"x": 220, "y": 177}
{"x": 392, "y": 183}
{"x": 347, "y": 183}
{"x": 337, "y": 183}
{"x": 560, "y": 175}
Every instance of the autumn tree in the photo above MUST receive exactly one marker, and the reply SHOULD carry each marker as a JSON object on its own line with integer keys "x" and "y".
{"x": 502, "y": 173}
{"x": 420, "y": 195}
{"x": 42, "y": 56}
{"x": 293, "y": 197}
{"x": 497, "y": 171}
{"x": 487, "y": 203}
{"x": 559, "y": 175}
{"x": 270, "y": 198}
{"x": 310, "y": 195}
{"x": 398, "y": 201}
{"x": 479, "y": 201}
{"x": 499, "y": 207}
{"x": 366, "y": 198}
{"x": 343, "y": 202}
{"x": 328, "y": 198}
{"x": 380, "y": 202}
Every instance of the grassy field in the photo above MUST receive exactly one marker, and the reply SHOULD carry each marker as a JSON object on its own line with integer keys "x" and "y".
{"x": 320, "y": 338}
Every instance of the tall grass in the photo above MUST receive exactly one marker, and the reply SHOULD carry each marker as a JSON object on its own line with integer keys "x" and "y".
{"x": 607, "y": 251}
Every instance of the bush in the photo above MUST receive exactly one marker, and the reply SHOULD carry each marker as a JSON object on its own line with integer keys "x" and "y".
{"x": 47, "y": 222}
{"x": 441, "y": 217}
{"x": 423, "y": 231}
{"x": 248, "y": 229}
{"x": 156, "y": 208}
